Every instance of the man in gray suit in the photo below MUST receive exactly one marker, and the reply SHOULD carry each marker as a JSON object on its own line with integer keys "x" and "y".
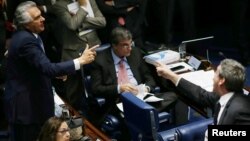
{"x": 76, "y": 28}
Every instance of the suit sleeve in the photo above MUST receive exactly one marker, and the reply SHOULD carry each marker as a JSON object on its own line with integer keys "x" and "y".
{"x": 145, "y": 73}
{"x": 71, "y": 21}
{"x": 110, "y": 10}
{"x": 103, "y": 84}
{"x": 35, "y": 56}
{"x": 197, "y": 94}
{"x": 96, "y": 22}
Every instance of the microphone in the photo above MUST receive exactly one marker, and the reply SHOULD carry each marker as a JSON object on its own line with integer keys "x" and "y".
{"x": 182, "y": 46}
{"x": 222, "y": 54}
{"x": 198, "y": 39}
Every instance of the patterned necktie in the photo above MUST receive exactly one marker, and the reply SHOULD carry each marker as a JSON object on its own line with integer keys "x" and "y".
{"x": 122, "y": 73}
{"x": 216, "y": 113}
{"x": 41, "y": 43}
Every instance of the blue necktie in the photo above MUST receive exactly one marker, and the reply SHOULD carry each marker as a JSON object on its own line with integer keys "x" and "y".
{"x": 41, "y": 43}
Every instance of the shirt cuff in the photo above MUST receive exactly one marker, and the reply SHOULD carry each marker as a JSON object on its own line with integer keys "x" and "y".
{"x": 118, "y": 89}
{"x": 177, "y": 82}
{"x": 148, "y": 88}
{"x": 77, "y": 64}
{"x": 84, "y": 8}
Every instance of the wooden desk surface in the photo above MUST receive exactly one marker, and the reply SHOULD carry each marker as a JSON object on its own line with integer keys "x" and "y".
{"x": 89, "y": 129}
{"x": 94, "y": 133}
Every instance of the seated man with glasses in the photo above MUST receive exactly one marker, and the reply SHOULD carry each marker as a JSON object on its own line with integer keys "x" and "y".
{"x": 121, "y": 68}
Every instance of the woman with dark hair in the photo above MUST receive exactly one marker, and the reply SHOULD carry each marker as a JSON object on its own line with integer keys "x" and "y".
{"x": 54, "y": 129}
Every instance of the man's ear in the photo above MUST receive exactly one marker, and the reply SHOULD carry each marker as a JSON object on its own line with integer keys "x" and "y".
{"x": 221, "y": 81}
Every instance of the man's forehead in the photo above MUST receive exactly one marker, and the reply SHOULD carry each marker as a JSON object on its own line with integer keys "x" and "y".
{"x": 125, "y": 41}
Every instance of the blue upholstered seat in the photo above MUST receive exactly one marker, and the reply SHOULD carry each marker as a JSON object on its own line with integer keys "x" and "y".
{"x": 141, "y": 118}
{"x": 194, "y": 131}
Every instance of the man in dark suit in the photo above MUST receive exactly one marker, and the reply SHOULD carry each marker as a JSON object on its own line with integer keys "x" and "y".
{"x": 28, "y": 94}
{"x": 106, "y": 80}
{"x": 105, "y": 72}
{"x": 228, "y": 85}
{"x": 124, "y": 13}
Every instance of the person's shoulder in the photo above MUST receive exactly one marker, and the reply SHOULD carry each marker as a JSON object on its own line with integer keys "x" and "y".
{"x": 104, "y": 52}
{"x": 242, "y": 99}
{"x": 22, "y": 34}
{"x": 103, "y": 55}
{"x": 136, "y": 50}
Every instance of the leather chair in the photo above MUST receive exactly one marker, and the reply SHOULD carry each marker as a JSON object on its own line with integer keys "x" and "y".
{"x": 87, "y": 79}
{"x": 194, "y": 131}
{"x": 141, "y": 118}
{"x": 110, "y": 123}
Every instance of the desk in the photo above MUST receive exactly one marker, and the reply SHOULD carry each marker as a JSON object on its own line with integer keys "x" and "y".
{"x": 202, "y": 78}
{"x": 166, "y": 86}
{"x": 94, "y": 133}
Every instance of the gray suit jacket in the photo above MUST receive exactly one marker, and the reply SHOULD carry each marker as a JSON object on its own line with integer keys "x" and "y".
{"x": 69, "y": 24}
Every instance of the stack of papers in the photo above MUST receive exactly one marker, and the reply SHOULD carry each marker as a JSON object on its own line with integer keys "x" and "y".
{"x": 73, "y": 7}
{"x": 165, "y": 57}
{"x": 148, "y": 97}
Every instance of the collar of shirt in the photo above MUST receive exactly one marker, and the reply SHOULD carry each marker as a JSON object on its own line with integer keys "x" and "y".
{"x": 36, "y": 35}
{"x": 225, "y": 98}
{"x": 223, "y": 102}
{"x": 116, "y": 58}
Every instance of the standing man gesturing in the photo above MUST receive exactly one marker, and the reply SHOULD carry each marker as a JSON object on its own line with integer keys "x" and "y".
{"x": 28, "y": 92}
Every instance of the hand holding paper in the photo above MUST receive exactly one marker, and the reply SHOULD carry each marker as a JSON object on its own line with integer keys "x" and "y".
{"x": 145, "y": 96}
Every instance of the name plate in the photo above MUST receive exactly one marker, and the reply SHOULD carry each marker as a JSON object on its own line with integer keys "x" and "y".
{"x": 194, "y": 62}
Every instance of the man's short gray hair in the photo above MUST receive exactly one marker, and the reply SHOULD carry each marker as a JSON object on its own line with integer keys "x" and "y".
{"x": 234, "y": 74}
{"x": 21, "y": 14}
{"x": 119, "y": 34}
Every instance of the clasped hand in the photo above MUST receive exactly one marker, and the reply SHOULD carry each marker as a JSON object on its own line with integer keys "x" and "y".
{"x": 133, "y": 88}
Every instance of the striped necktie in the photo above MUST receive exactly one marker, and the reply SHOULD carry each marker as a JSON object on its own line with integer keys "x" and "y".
{"x": 122, "y": 73}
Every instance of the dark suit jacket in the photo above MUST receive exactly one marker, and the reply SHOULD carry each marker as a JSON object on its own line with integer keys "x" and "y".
{"x": 103, "y": 73}
{"x": 28, "y": 94}
{"x": 236, "y": 111}
{"x": 133, "y": 19}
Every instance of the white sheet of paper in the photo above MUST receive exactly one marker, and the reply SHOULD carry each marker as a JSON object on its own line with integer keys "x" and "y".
{"x": 120, "y": 106}
{"x": 73, "y": 7}
{"x": 201, "y": 78}
{"x": 152, "y": 99}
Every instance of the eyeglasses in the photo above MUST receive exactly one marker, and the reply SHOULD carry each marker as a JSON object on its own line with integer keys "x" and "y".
{"x": 63, "y": 131}
{"x": 125, "y": 45}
